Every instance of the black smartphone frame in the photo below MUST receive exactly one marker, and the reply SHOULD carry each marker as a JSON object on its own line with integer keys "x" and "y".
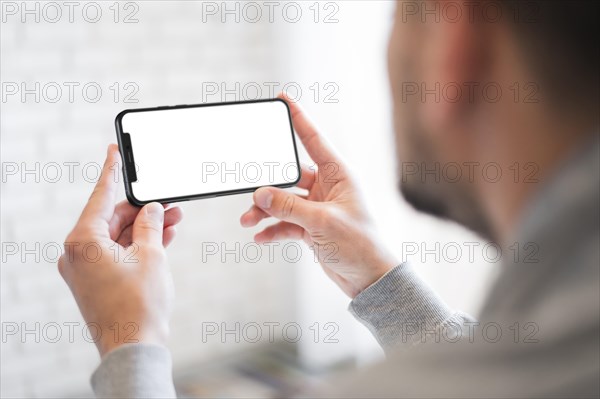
{"x": 129, "y": 161}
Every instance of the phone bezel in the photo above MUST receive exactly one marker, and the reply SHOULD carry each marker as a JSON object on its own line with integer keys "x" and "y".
{"x": 128, "y": 189}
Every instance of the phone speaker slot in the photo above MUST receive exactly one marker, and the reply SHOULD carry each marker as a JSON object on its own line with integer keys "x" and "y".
{"x": 128, "y": 160}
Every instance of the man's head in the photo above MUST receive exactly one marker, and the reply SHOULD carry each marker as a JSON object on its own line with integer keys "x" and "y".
{"x": 487, "y": 94}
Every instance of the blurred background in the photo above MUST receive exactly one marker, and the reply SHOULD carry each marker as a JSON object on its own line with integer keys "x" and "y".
{"x": 244, "y": 324}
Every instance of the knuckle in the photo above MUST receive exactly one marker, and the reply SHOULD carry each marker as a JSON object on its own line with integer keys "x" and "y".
{"x": 288, "y": 206}
{"x": 77, "y": 243}
{"x": 73, "y": 236}
{"x": 79, "y": 235}
{"x": 149, "y": 224}
{"x": 68, "y": 241}
{"x": 61, "y": 266}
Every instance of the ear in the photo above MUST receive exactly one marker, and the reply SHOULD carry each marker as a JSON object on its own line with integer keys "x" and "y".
{"x": 450, "y": 67}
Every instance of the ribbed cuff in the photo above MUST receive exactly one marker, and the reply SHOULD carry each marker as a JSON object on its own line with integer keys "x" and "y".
{"x": 399, "y": 307}
{"x": 135, "y": 371}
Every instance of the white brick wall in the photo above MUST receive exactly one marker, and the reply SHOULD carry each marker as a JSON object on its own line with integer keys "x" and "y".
{"x": 169, "y": 54}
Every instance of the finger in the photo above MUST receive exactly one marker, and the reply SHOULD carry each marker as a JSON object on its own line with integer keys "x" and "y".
{"x": 286, "y": 206}
{"x": 173, "y": 216}
{"x": 252, "y": 216}
{"x": 315, "y": 144}
{"x": 280, "y": 231}
{"x": 169, "y": 234}
{"x": 125, "y": 214}
{"x": 307, "y": 178}
{"x": 148, "y": 225}
{"x": 101, "y": 205}
{"x": 125, "y": 238}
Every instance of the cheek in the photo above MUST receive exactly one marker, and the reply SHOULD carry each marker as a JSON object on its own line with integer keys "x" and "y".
{"x": 395, "y": 62}
{"x": 405, "y": 109}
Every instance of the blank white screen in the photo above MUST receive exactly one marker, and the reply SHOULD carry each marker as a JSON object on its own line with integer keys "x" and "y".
{"x": 201, "y": 150}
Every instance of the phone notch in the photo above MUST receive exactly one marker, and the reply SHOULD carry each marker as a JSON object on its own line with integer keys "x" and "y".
{"x": 128, "y": 158}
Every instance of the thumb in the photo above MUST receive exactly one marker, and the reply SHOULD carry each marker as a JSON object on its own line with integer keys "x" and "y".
{"x": 148, "y": 225}
{"x": 286, "y": 206}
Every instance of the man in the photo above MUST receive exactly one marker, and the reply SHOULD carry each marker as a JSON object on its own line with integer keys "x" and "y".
{"x": 538, "y": 332}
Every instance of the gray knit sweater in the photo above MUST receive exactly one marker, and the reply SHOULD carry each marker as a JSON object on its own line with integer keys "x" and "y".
{"x": 537, "y": 335}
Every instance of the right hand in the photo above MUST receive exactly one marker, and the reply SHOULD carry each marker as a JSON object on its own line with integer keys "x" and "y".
{"x": 331, "y": 218}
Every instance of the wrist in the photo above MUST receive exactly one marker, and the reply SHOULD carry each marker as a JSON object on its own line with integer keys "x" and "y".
{"x": 130, "y": 333}
{"x": 380, "y": 261}
{"x": 376, "y": 274}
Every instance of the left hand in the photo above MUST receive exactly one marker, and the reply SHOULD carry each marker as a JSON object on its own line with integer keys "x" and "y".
{"x": 116, "y": 266}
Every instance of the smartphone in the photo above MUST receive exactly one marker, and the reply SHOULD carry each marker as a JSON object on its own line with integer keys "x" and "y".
{"x": 186, "y": 152}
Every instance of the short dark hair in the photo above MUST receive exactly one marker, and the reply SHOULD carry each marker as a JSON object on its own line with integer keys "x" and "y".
{"x": 559, "y": 38}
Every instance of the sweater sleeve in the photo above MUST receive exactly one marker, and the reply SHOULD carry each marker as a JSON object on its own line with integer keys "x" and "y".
{"x": 400, "y": 310}
{"x": 134, "y": 371}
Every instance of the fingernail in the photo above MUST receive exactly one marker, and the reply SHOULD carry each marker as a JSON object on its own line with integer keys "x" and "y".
{"x": 264, "y": 198}
{"x": 155, "y": 211}
{"x": 243, "y": 219}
